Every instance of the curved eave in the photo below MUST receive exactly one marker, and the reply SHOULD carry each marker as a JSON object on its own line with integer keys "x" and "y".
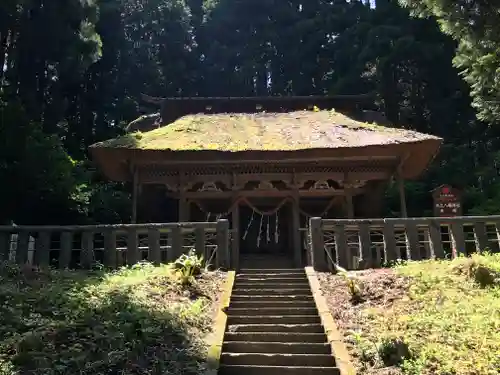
{"x": 415, "y": 156}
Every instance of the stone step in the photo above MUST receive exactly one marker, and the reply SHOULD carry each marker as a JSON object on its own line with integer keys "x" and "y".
{"x": 251, "y": 303}
{"x": 272, "y": 280}
{"x": 289, "y": 310}
{"x": 277, "y": 359}
{"x": 265, "y": 285}
{"x": 253, "y": 271}
{"x": 276, "y": 347}
{"x": 276, "y": 337}
{"x": 272, "y": 277}
{"x": 286, "y": 328}
{"x": 274, "y": 370}
{"x": 277, "y": 297}
{"x": 272, "y": 274}
{"x": 273, "y": 319}
{"x": 270, "y": 292}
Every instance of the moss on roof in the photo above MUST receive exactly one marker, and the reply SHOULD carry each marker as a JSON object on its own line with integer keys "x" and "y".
{"x": 263, "y": 132}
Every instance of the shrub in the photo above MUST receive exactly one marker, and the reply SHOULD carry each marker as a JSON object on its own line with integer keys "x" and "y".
{"x": 189, "y": 266}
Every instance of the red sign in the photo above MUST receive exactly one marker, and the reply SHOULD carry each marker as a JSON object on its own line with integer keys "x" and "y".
{"x": 447, "y": 201}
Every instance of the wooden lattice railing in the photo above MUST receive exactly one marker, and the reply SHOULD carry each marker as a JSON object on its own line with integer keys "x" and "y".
{"x": 115, "y": 245}
{"x": 366, "y": 243}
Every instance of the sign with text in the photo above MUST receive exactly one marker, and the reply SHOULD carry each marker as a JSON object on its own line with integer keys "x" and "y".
{"x": 447, "y": 201}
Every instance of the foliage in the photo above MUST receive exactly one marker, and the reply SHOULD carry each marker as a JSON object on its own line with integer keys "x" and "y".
{"x": 136, "y": 320}
{"x": 485, "y": 271}
{"x": 73, "y": 71}
{"x": 38, "y": 170}
{"x": 188, "y": 267}
{"x": 476, "y": 27}
{"x": 354, "y": 285}
{"x": 447, "y": 323}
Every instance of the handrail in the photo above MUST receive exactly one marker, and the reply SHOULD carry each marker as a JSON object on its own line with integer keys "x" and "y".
{"x": 106, "y": 227}
{"x": 82, "y": 245}
{"x": 424, "y": 238}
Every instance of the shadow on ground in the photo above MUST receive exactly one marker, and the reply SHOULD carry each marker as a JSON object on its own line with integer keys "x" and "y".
{"x": 65, "y": 323}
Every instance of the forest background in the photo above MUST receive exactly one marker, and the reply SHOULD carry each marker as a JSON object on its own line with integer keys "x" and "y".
{"x": 72, "y": 71}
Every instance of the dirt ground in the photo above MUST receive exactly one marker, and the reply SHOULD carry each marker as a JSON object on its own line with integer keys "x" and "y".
{"x": 380, "y": 288}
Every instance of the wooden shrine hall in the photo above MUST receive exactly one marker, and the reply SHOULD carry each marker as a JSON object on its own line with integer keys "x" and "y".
{"x": 266, "y": 164}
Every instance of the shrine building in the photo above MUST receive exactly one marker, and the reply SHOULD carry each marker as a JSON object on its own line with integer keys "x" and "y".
{"x": 266, "y": 164}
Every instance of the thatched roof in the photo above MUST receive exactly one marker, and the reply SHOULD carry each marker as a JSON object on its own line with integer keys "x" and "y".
{"x": 264, "y": 132}
{"x": 266, "y": 136}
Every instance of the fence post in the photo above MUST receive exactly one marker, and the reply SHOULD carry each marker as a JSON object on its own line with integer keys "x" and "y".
{"x": 341, "y": 246}
{"x": 457, "y": 238}
{"x": 481, "y": 237}
{"x": 317, "y": 247}
{"x": 42, "y": 249}
{"x": 132, "y": 247}
{"x": 110, "y": 253}
{"x": 154, "y": 246}
{"x": 222, "y": 253}
{"x": 87, "y": 254}
{"x": 23, "y": 239}
{"x": 66, "y": 249}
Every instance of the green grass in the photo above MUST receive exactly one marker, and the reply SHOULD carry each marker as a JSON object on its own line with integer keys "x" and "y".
{"x": 447, "y": 323}
{"x": 139, "y": 320}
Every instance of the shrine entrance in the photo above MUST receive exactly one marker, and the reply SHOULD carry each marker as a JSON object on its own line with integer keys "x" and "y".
{"x": 265, "y": 231}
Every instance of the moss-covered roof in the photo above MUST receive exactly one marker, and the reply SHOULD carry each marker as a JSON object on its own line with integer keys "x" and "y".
{"x": 263, "y": 132}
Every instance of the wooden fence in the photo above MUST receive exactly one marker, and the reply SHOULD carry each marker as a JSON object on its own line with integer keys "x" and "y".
{"x": 114, "y": 245}
{"x": 367, "y": 243}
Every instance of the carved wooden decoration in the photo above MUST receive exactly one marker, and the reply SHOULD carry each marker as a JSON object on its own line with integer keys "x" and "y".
{"x": 265, "y": 185}
{"x": 354, "y": 184}
{"x": 171, "y": 188}
{"x": 187, "y": 185}
{"x": 300, "y": 185}
{"x": 321, "y": 185}
{"x": 209, "y": 186}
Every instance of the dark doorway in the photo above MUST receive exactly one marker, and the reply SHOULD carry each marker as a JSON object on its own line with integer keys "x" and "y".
{"x": 273, "y": 229}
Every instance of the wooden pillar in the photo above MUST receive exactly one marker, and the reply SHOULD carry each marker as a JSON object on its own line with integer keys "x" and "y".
{"x": 183, "y": 203}
{"x": 296, "y": 240}
{"x": 235, "y": 238}
{"x": 402, "y": 196}
{"x": 183, "y": 207}
{"x": 135, "y": 193}
{"x": 349, "y": 202}
{"x": 348, "y": 196}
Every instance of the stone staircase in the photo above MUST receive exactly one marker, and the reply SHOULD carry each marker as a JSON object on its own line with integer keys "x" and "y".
{"x": 273, "y": 327}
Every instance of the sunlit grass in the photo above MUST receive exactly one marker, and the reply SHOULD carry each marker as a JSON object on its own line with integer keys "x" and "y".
{"x": 448, "y": 323}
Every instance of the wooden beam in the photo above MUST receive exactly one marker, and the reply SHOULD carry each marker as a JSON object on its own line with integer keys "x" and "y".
{"x": 289, "y": 161}
{"x": 264, "y": 194}
{"x": 384, "y": 174}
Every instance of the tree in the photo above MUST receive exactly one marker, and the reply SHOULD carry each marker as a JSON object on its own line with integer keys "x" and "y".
{"x": 475, "y": 25}
{"x": 38, "y": 184}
